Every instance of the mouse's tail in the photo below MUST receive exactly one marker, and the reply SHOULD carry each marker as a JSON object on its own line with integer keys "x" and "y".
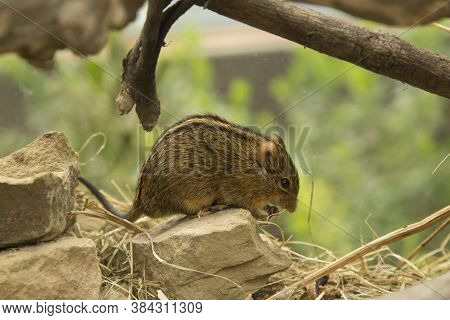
{"x": 131, "y": 215}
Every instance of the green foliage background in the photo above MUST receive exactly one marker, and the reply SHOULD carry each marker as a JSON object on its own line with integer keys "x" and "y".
{"x": 373, "y": 145}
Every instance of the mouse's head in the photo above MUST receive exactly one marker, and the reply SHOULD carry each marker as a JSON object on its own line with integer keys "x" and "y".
{"x": 282, "y": 177}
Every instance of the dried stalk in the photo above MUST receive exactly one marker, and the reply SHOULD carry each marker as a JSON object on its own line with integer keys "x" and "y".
{"x": 100, "y": 213}
{"x": 360, "y": 252}
{"x": 427, "y": 239}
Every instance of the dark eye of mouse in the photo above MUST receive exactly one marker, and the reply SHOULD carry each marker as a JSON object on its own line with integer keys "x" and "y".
{"x": 285, "y": 183}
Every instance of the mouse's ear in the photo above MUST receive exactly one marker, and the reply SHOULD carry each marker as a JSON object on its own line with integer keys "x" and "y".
{"x": 277, "y": 139}
{"x": 266, "y": 153}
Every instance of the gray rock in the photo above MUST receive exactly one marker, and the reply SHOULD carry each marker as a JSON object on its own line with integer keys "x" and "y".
{"x": 89, "y": 224}
{"x": 67, "y": 268}
{"x": 37, "y": 188}
{"x": 225, "y": 243}
{"x": 435, "y": 289}
{"x": 114, "y": 292}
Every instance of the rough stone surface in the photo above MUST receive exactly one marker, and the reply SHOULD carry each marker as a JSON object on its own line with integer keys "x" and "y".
{"x": 399, "y": 12}
{"x": 67, "y": 268}
{"x": 37, "y": 187}
{"x": 225, "y": 243}
{"x": 114, "y": 292}
{"x": 89, "y": 224}
{"x": 435, "y": 289}
{"x": 81, "y": 25}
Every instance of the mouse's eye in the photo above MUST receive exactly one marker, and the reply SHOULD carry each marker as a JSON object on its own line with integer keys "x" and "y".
{"x": 285, "y": 183}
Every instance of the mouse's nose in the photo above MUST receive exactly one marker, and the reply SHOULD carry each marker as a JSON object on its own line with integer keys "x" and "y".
{"x": 291, "y": 206}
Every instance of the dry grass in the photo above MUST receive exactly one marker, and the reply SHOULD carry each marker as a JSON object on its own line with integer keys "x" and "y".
{"x": 374, "y": 275}
{"x": 378, "y": 273}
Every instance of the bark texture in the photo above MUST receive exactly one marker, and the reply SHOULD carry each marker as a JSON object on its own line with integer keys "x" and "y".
{"x": 139, "y": 66}
{"x": 397, "y": 12}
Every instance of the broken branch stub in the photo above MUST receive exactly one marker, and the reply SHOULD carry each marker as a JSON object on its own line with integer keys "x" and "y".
{"x": 139, "y": 66}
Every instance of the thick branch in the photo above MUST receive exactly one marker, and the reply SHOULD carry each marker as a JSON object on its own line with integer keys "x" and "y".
{"x": 376, "y": 51}
{"x": 139, "y": 66}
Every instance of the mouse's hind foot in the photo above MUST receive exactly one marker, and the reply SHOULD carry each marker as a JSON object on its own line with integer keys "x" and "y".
{"x": 213, "y": 209}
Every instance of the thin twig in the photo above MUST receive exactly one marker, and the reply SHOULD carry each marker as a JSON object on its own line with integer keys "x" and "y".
{"x": 427, "y": 240}
{"x": 441, "y": 26}
{"x": 99, "y": 150}
{"x": 440, "y": 163}
{"x": 100, "y": 213}
{"x": 124, "y": 196}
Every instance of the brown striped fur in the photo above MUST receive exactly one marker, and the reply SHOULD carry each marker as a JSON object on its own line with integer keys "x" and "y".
{"x": 204, "y": 160}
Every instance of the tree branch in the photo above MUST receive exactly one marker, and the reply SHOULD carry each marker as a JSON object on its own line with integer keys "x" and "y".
{"x": 380, "y": 52}
{"x": 139, "y": 66}
{"x": 398, "y": 12}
